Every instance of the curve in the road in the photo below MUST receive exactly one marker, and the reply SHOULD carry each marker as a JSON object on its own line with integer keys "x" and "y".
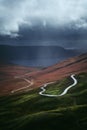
{"x": 28, "y": 81}
{"x": 63, "y": 93}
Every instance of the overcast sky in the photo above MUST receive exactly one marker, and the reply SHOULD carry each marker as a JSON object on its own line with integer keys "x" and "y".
{"x": 14, "y": 13}
{"x": 42, "y": 22}
{"x": 29, "y": 19}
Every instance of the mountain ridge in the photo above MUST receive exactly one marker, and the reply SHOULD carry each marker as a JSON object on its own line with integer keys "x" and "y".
{"x": 63, "y": 69}
{"x": 75, "y": 65}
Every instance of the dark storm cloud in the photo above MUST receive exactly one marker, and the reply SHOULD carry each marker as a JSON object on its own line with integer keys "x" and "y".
{"x": 56, "y": 13}
{"x": 44, "y": 22}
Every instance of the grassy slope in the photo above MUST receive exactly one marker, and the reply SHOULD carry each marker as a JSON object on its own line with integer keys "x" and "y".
{"x": 32, "y": 111}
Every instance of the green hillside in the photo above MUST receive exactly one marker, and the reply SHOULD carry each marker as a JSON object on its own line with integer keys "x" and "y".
{"x": 31, "y": 111}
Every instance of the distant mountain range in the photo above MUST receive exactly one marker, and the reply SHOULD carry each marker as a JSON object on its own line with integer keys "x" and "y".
{"x": 35, "y": 56}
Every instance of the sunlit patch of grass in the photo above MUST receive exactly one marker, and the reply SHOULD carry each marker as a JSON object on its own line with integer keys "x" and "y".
{"x": 58, "y": 87}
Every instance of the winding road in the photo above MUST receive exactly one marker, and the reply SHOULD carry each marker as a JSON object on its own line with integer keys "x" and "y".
{"x": 63, "y": 93}
{"x": 45, "y": 85}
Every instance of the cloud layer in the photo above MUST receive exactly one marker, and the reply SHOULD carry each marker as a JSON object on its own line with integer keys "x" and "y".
{"x": 57, "y": 13}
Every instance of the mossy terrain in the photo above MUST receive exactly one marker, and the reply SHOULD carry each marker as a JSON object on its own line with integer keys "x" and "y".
{"x": 31, "y": 111}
